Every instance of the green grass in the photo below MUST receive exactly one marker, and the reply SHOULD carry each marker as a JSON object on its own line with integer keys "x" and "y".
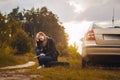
{"x": 75, "y": 72}
{"x": 6, "y": 60}
{"x": 10, "y": 59}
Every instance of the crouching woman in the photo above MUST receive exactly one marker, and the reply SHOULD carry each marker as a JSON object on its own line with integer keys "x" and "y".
{"x": 45, "y": 49}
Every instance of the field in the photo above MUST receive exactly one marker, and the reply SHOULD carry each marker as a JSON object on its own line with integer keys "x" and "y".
{"x": 72, "y": 72}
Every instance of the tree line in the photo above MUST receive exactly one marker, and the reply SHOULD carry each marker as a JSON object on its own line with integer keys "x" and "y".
{"x": 18, "y": 29}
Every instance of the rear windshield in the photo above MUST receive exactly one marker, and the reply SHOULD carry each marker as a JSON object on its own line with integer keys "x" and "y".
{"x": 113, "y": 27}
{"x": 98, "y": 27}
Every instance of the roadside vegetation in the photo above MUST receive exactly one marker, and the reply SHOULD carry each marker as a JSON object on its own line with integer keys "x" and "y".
{"x": 72, "y": 72}
{"x": 75, "y": 72}
{"x": 17, "y": 32}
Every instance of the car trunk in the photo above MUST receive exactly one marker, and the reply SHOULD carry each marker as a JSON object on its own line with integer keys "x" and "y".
{"x": 107, "y": 36}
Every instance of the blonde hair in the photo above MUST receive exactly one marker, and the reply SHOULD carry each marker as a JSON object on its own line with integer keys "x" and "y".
{"x": 37, "y": 38}
{"x": 40, "y": 33}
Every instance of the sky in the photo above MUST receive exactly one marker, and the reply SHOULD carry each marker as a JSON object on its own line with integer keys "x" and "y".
{"x": 76, "y": 15}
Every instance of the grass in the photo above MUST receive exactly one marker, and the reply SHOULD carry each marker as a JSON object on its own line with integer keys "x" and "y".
{"x": 10, "y": 59}
{"x": 73, "y": 72}
{"x": 6, "y": 60}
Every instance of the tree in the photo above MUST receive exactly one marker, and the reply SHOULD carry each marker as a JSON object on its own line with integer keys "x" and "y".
{"x": 3, "y": 29}
{"x": 21, "y": 42}
{"x": 15, "y": 14}
{"x": 33, "y": 21}
{"x": 46, "y": 21}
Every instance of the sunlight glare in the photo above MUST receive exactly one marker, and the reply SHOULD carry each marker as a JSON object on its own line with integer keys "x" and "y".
{"x": 76, "y": 31}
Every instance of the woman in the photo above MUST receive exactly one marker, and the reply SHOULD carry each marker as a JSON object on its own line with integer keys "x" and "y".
{"x": 45, "y": 49}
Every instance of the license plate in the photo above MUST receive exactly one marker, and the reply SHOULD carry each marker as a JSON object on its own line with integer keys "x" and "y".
{"x": 111, "y": 36}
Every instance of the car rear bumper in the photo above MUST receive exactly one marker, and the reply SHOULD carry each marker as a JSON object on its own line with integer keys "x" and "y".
{"x": 102, "y": 50}
{"x": 102, "y": 54}
{"x": 104, "y": 59}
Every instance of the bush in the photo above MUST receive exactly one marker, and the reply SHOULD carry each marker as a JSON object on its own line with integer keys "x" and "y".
{"x": 73, "y": 51}
{"x": 7, "y": 60}
{"x": 21, "y": 42}
{"x": 62, "y": 50}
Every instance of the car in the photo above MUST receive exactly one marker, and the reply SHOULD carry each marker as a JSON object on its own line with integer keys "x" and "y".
{"x": 101, "y": 46}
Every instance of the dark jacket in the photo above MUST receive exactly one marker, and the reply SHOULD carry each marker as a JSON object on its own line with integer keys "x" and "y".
{"x": 49, "y": 49}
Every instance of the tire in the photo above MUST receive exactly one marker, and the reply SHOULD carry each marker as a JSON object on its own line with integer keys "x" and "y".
{"x": 84, "y": 63}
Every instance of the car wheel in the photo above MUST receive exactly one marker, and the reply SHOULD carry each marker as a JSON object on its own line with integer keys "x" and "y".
{"x": 84, "y": 63}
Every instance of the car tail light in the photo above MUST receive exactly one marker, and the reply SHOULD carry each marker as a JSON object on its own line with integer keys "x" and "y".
{"x": 90, "y": 35}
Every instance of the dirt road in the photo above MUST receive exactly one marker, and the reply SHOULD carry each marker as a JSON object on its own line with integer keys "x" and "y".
{"x": 18, "y": 72}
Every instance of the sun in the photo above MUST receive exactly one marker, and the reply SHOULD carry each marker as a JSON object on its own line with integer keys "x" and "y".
{"x": 76, "y": 31}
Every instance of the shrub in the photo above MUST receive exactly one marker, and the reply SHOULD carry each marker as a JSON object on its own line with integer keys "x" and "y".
{"x": 73, "y": 51}
{"x": 62, "y": 49}
{"x": 21, "y": 42}
{"x": 7, "y": 60}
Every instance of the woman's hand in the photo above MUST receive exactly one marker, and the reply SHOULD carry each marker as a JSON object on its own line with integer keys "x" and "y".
{"x": 42, "y": 54}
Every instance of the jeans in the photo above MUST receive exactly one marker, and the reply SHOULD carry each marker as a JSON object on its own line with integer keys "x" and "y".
{"x": 43, "y": 60}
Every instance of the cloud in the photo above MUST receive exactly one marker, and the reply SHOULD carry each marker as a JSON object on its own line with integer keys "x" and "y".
{"x": 70, "y": 10}
{"x": 6, "y": 5}
{"x": 98, "y": 10}
{"x": 77, "y": 7}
